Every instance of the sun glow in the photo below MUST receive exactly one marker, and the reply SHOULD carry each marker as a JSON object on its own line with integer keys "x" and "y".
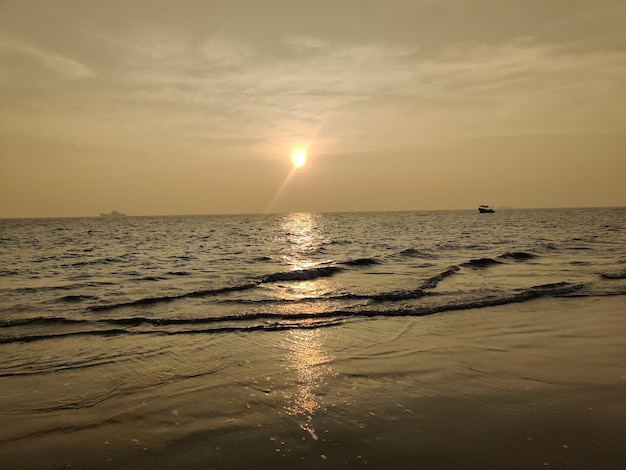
{"x": 298, "y": 159}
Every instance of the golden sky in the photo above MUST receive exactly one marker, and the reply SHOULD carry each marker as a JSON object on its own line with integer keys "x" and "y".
{"x": 195, "y": 106}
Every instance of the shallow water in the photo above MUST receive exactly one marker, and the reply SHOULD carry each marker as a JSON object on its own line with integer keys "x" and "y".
{"x": 514, "y": 387}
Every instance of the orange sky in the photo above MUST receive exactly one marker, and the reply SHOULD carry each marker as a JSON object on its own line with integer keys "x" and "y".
{"x": 194, "y": 107}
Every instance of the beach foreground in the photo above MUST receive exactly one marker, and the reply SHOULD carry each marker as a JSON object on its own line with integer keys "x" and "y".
{"x": 533, "y": 385}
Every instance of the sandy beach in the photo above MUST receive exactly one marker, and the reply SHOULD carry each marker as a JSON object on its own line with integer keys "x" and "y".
{"x": 533, "y": 385}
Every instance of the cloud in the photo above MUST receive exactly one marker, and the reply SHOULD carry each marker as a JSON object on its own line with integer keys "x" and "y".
{"x": 54, "y": 62}
{"x": 216, "y": 86}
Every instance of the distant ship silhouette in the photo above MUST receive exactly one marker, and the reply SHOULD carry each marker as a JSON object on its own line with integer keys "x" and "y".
{"x": 485, "y": 209}
{"x": 114, "y": 213}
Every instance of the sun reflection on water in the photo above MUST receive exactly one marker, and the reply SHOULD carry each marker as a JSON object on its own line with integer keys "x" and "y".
{"x": 307, "y": 357}
{"x": 303, "y": 239}
{"x": 310, "y": 360}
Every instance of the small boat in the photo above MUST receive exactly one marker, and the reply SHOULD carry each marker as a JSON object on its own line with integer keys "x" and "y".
{"x": 113, "y": 214}
{"x": 486, "y": 210}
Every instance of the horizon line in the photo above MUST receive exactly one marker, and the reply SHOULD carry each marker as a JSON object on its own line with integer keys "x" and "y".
{"x": 501, "y": 208}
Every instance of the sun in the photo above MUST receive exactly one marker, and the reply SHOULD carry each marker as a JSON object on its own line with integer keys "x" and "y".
{"x": 298, "y": 159}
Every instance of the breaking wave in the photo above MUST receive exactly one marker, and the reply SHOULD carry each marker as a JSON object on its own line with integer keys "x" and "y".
{"x": 270, "y": 321}
{"x": 321, "y": 272}
{"x": 481, "y": 263}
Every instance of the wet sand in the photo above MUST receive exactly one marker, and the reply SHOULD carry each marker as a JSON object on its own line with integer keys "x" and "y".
{"x": 533, "y": 385}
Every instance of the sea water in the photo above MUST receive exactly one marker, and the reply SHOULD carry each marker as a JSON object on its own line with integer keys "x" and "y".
{"x": 103, "y": 308}
{"x": 97, "y": 277}
{"x": 65, "y": 278}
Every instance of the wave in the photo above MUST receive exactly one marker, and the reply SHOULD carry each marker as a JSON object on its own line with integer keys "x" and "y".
{"x": 559, "y": 289}
{"x": 413, "y": 253}
{"x": 95, "y": 262}
{"x": 152, "y": 278}
{"x": 296, "y": 275}
{"x": 361, "y": 262}
{"x": 304, "y": 322}
{"x": 8, "y": 272}
{"x": 271, "y": 321}
{"x": 244, "y": 317}
{"x": 399, "y": 295}
{"x": 170, "y": 298}
{"x": 555, "y": 289}
{"x": 481, "y": 263}
{"x": 301, "y": 274}
{"x": 434, "y": 281}
{"x": 320, "y": 272}
{"x": 44, "y": 336}
{"x": 45, "y": 321}
{"x": 341, "y": 242}
{"x": 614, "y": 276}
{"x": 518, "y": 255}
{"x": 63, "y": 287}
{"x": 76, "y": 298}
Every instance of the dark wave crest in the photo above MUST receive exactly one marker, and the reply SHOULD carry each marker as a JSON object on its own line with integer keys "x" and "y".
{"x": 434, "y": 281}
{"x": 8, "y": 272}
{"x": 76, "y": 298}
{"x": 518, "y": 256}
{"x": 43, "y": 321}
{"x": 301, "y": 274}
{"x": 614, "y": 276}
{"x": 361, "y": 262}
{"x": 413, "y": 253}
{"x": 481, "y": 263}
{"x": 170, "y": 298}
{"x": 319, "y": 321}
{"x": 556, "y": 289}
{"x": 40, "y": 337}
{"x": 399, "y": 295}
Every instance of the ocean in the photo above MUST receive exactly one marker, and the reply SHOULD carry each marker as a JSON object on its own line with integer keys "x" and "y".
{"x": 100, "y": 317}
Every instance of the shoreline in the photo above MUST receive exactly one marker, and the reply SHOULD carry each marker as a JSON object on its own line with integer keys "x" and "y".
{"x": 532, "y": 385}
